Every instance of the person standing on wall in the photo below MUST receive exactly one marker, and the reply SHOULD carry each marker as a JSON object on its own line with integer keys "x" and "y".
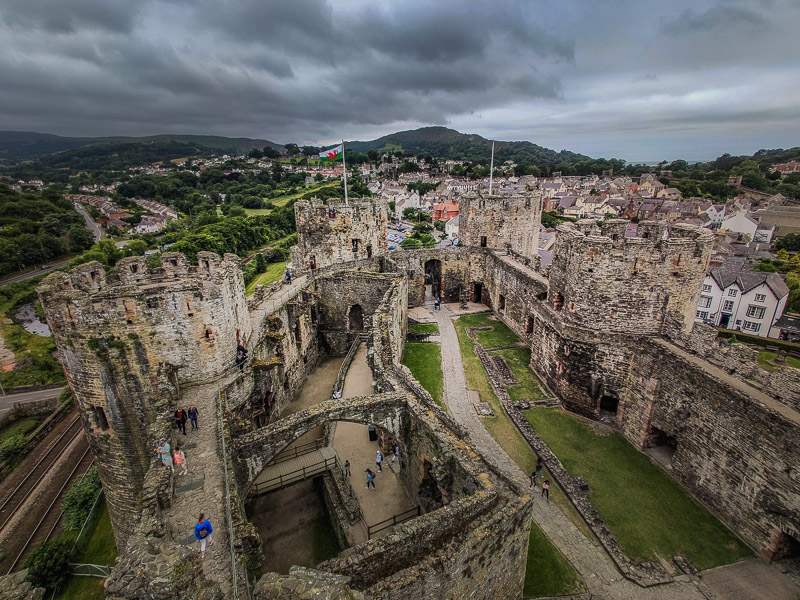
{"x": 396, "y": 453}
{"x": 546, "y": 489}
{"x": 193, "y": 414}
{"x": 203, "y": 531}
{"x": 180, "y": 460}
{"x": 180, "y": 419}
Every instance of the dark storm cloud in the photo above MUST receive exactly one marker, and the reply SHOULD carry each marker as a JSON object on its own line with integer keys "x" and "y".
{"x": 313, "y": 71}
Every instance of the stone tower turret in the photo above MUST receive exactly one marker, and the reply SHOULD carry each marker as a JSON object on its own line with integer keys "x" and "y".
{"x": 127, "y": 342}
{"x": 331, "y": 232}
{"x": 606, "y": 281}
{"x": 501, "y": 222}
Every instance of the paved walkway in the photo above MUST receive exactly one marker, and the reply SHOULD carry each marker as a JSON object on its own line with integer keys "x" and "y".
{"x": 589, "y": 559}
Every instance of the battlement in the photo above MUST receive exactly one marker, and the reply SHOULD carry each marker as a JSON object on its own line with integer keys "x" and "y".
{"x": 651, "y": 235}
{"x": 332, "y": 232}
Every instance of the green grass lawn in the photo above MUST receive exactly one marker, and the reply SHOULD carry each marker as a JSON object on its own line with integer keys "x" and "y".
{"x": 101, "y": 550}
{"x": 500, "y": 335}
{"x": 22, "y": 427}
{"x": 768, "y": 362}
{"x": 529, "y": 388}
{"x": 648, "y": 512}
{"x": 274, "y": 272}
{"x": 547, "y": 572}
{"x": 430, "y": 328}
{"x": 285, "y": 199}
{"x": 425, "y": 362}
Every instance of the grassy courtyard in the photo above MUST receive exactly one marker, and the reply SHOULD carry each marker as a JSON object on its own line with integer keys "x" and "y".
{"x": 499, "y": 335}
{"x": 429, "y": 328}
{"x": 646, "y": 510}
{"x": 547, "y": 572}
{"x": 425, "y": 362}
{"x": 766, "y": 360}
{"x": 518, "y": 359}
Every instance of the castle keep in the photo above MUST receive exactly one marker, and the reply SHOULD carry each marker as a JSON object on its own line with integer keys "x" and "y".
{"x": 609, "y": 326}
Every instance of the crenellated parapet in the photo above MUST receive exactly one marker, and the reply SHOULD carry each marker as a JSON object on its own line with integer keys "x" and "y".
{"x": 331, "y": 232}
{"x": 604, "y": 280}
{"x": 501, "y": 221}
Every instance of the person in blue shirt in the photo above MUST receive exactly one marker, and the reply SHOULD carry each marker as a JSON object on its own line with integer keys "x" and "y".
{"x": 203, "y": 531}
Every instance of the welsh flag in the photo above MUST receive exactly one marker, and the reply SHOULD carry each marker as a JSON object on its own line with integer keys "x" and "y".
{"x": 332, "y": 154}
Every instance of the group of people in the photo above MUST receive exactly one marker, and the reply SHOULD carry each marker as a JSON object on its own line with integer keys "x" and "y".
{"x": 170, "y": 458}
{"x": 378, "y": 464}
{"x": 181, "y": 416}
{"x": 539, "y": 472}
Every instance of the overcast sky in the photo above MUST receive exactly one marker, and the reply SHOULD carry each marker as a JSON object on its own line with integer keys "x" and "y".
{"x": 633, "y": 79}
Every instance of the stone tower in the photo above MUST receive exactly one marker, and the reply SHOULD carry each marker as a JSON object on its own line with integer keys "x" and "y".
{"x": 127, "y": 342}
{"x": 501, "y": 221}
{"x": 608, "y": 282}
{"x": 331, "y": 232}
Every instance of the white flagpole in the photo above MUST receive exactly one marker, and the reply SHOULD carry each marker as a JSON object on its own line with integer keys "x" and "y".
{"x": 344, "y": 167}
{"x": 491, "y": 170}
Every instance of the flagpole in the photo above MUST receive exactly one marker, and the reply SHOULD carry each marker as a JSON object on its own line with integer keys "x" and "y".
{"x": 491, "y": 170}
{"x": 344, "y": 167}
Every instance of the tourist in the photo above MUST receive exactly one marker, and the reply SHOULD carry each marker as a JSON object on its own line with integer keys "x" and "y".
{"x": 180, "y": 419}
{"x": 370, "y": 478}
{"x": 336, "y": 395}
{"x": 288, "y": 275}
{"x": 203, "y": 531}
{"x": 193, "y": 414}
{"x": 539, "y": 467}
{"x": 546, "y": 489}
{"x": 347, "y": 468}
{"x": 379, "y": 460}
{"x": 396, "y": 452}
{"x": 180, "y": 460}
{"x": 437, "y": 304}
{"x": 165, "y": 454}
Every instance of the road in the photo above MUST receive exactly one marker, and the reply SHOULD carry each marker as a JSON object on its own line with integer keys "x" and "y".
{"x": 35, "y": 273}
{"x": 96, "y": 230}
{"x": 7, "y": 402}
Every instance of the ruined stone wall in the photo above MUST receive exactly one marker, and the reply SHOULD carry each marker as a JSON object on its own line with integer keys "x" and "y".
{"x": 501, "y": 221}
{"x": 603, "y": 280}
{"x": 330, "y": 232}
{"x": 127, "y": 342}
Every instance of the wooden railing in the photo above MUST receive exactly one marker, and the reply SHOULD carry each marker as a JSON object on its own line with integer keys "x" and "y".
{"x": 282, "y": 480}
{"x": 393, "y": 520}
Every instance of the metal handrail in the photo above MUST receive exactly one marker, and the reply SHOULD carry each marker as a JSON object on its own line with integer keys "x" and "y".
{"x": 90, "y": 570}
{"x": 395, "y": 519}
{"x": 300, "y": 474}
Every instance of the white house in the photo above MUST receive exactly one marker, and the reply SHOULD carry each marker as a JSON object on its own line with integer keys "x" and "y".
{"x": 746, "y": 301}
{"x": 741, "y": 222}
{"x": 451, "y": 228}
{"x": 716, "y": 212}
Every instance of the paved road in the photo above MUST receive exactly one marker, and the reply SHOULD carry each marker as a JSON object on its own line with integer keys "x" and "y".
{"x": 7, "y": 402}
{"x": 96, "y": 230}
{"x": 22, "y": 277}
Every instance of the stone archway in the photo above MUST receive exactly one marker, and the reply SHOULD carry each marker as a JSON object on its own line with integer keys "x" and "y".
{"x": 433, "y": 275}
{"x": 355, "y": 318}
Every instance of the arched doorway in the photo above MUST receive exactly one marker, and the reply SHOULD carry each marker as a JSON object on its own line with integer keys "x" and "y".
{"x": 433, "y": 276}
{"x": 355, "y": 318}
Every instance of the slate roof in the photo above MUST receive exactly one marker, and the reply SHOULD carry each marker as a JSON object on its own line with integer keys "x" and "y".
{"x": 747, "y": 280}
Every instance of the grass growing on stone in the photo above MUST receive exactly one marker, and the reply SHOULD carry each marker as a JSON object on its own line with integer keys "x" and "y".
{"x": 429, "y": 328}
{"x": 767, "y": 361}
{"x": 500, "y": 335}
{"x": 518, "y": 359}
{"x": 22, "y": 427}
{"x": 274, "y": 272}
{"x": 647, "y": 511}
{"x": 547, "y": 572}
{"x": 425, "y": 362}
{"x": 501, "y": 427}
{"x": 101, "y": 550}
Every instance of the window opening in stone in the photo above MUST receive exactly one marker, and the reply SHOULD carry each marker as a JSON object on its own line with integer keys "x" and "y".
{"x": 313, "y": 316}
{"x": 609, "y": 405}
{"x": 297, "y": 337}
{"x": 542, "y": 296}
{"x": 477, "y": 292}
{"x": 100, "y": 414}
{"x": 153, "y": 303}
{"x": 783, "y": 546}
{"x": 94, "y": 275}
{"x": 483, "y": 241}
{"x": 369, "y": 251}
{"x": 501, "y": 304}
{"x": 528, "y": 324}
{"x": 312, "y": 262}
{"x": 134, "y": 268}
{"x": 189, "y": 309}
{"x": 355, "y": 245}
{"x": 660, "y": 446}
{"x": 355, "y": 318}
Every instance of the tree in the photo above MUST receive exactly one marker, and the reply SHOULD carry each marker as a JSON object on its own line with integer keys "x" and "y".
{"x": 292, "y": 149}
{"x": 782, "y": 255}
{"x": 135, "y": 248}
{"x": 789, "y": 242}
{"x": 237, "y": 211}
{"x": 261, "y": 263}
{"x": 48, "y": 565}
{"x": 270, "y": 152}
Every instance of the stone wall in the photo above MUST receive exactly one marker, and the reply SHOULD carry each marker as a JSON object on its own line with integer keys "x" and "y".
{"x": 330, "y": 232}
{"x": 501, "y": 221}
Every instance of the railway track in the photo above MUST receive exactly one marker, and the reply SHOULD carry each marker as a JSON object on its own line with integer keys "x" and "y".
{"x": 48, "y": 522}
{"x": 37, "y": 473}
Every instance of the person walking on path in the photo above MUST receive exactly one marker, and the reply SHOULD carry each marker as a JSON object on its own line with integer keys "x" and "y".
{"x": 180, "y": 460}
{"x": 370, "y": 478}
{"x": 437, "y": 304}
{"x": 396, "y": 452}
{"x": 347, "y": 468}
{"x": 539, "y": 466}
{"x": 180, "y": 419}
{"x": 193, "y": 414}
{"x": 379, "y": 460}
{"x": 288, "y": 276}
{"x": 203, "y": 531}
{"x": 165, "y": 454}
{"x": 546, "y": 489}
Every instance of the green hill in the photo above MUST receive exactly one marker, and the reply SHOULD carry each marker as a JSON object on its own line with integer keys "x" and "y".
{"x": 445, "y": 143}
{"x": 17, "y": 146}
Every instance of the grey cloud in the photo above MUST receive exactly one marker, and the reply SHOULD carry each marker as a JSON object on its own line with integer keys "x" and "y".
{"x": 70, "y": 16}
{"x": 718, "y": 17}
